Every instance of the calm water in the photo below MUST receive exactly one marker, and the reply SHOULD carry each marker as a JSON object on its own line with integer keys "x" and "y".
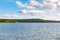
{"x": 29, "y": 31}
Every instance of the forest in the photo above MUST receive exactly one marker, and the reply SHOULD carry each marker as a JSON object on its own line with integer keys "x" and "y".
{"x": 26, "y": 20}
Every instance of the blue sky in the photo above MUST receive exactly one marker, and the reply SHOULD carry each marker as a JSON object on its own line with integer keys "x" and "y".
{"x": 7, "y": 6}
{"x": 23, "y": 9}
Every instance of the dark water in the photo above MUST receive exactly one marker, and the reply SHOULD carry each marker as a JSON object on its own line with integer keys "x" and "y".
{"x": 29, "y": 31}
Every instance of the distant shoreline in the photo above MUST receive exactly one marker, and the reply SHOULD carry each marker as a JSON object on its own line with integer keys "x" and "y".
{"x": 27, "y": 21}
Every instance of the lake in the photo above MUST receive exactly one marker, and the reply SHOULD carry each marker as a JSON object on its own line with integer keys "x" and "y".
{"x": 29, "y": 31}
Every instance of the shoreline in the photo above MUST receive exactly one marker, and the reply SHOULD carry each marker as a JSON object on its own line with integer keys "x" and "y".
{"x": 27, "y": 21}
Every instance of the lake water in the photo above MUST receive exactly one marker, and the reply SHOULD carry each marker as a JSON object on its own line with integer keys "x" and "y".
{"x": 29, "y": 31}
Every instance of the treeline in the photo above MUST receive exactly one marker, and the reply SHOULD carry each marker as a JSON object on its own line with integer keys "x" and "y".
{"x": 25, "y": 20}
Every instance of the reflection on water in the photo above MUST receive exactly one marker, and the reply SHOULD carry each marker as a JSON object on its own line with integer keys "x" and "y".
{"x": 29, "y": 31}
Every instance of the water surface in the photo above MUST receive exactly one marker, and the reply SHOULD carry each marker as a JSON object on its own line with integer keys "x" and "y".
{"x": 30, "y": 31}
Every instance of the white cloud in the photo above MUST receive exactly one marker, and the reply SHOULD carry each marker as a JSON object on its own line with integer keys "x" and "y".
{"x": 6, "y": 16}
{"x": 20, "y": 4}
{"x": 34, "y": 3}
{"x": 51, "y": 1}
{"x": 58, "y": 4}
{"x": 33, "y": 11}
{"x": 24, "y": 11}
{"x": 45, "y": 10}
{"x": 15, "y": 15}
{"x": 47, "y": 3}
{"x": 23, "y": 5}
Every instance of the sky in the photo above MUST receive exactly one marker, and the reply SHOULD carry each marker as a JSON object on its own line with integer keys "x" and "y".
{"x": 25, "y": 9}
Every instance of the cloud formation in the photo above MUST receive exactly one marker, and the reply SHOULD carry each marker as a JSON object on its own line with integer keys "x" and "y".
{"x": 47, "y": 8}
{"x": 33, "y": 11}
{"x": 6, "y": 16}
{"x": 23, "y": 5}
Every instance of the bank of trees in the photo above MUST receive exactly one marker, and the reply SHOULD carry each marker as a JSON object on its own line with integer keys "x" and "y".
{"x": 26, "y": 20}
